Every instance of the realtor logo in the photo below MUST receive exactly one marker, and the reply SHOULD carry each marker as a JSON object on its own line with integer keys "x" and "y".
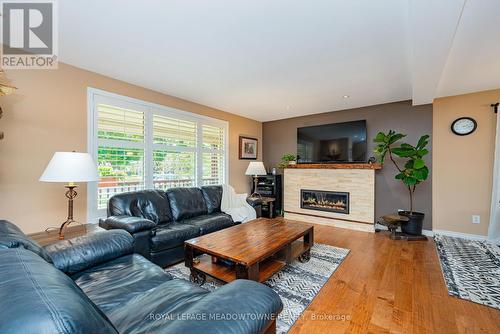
{"x": 29, "y": 35}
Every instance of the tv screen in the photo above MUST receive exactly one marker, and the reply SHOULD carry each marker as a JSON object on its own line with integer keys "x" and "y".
{"x": 330, "y": 143}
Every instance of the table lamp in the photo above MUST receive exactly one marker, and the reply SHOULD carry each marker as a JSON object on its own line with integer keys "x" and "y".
{"x": 255, "y": 168}
{"x": 70, "y": 167}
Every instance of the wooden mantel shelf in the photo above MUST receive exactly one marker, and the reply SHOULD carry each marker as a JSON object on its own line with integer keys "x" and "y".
{"x": 336, "y": 166}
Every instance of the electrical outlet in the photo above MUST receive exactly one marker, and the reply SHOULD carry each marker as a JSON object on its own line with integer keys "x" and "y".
{"x": 476, "y": 219}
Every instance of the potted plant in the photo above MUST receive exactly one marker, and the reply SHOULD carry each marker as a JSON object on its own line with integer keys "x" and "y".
{"x": 412, "y": 170}
{"x": 288, "y": 159}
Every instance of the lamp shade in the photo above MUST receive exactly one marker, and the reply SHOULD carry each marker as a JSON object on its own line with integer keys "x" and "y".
{"x": 256, "y": 168}
{"x": 70, "y": 167}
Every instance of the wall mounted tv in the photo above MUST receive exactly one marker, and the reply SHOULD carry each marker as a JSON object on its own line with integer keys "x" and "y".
{"x": 332, "y": 143}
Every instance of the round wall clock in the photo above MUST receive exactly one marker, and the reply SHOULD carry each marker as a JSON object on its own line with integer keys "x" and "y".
{"x": 464, "y": 126}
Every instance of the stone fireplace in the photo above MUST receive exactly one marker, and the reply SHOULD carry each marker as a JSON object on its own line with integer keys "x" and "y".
{"x": 330, "y": 201}
{"x": 331, "y": 194}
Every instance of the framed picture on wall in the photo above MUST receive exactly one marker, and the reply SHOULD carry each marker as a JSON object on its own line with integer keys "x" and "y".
{"x": 248, "y": 148}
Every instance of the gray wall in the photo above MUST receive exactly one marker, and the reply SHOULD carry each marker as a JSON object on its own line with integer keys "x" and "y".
{"x": 280, "y": 137}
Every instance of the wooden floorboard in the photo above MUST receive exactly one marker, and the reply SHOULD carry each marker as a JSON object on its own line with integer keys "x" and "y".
{"x": 389, "y": 286}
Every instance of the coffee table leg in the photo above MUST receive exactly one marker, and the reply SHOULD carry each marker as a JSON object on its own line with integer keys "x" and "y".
{"x": 188, "y": 256}
{"x": 309, "y": 241}
{"x": 288, "y": 254}
{"x": 309, "y": 238}
{"x": 251, "y": 273}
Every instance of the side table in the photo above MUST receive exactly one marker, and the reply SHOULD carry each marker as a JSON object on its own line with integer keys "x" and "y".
{"x": 269, "y": 201}
{"x": 393, "y": 222}
{"x": 45, "y": 238}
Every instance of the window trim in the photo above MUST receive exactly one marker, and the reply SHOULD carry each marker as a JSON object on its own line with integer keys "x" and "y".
{"x": 149, "y": 109}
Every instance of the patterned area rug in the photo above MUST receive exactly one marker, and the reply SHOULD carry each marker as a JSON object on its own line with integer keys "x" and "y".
{"x": 297, "y": 284}
{"x": 471, "y": 269}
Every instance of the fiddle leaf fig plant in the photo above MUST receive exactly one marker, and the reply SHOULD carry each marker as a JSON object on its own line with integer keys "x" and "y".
{"x": 415, "y": 170}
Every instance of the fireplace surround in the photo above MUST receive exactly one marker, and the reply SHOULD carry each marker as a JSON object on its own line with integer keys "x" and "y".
{"x": 356, "y": 179}
{"x": 329, "y": 201}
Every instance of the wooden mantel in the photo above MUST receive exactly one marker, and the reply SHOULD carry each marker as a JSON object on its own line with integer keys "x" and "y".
{"x": 336, "y": 166}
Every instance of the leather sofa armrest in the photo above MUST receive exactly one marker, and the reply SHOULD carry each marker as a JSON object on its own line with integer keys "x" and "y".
{"x": 128, "y": 223}
{"x": 256, "y": 204}
{"x": 77, "y": 254}
{"x": 240, "y": 307}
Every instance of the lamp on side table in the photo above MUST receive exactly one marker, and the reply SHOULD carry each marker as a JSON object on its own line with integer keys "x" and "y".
{"x": 255, "y": 168}
{"x": 70, "y": 167}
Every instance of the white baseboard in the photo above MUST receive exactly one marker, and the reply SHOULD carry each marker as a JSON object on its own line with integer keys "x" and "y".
{"x": 430, "y": 233}
{"x": 461, "y": 235}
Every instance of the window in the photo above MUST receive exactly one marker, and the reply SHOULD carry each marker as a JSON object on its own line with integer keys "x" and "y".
{"x": 213, "y": 154}
{"x": 139, "y": 145}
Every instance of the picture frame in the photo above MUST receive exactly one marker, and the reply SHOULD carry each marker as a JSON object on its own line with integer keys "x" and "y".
{"x": 248, "y": 148}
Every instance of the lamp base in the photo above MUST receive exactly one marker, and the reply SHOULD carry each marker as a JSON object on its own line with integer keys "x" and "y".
{"x": 70, "y": 194}
{"x": 256, "y": 195}
{"x": 63, "y": 226}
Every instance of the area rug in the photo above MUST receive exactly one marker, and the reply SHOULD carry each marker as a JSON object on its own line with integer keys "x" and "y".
{"x": 297, "y": 284}
{"x": 471, "y": 269}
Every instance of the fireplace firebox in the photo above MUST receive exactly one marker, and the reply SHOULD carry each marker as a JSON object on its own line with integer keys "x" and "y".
{"x": 331, "y": 201}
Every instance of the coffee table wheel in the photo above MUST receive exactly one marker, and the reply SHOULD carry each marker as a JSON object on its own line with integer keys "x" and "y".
{"x": 197, "y": 277}
{"x": 305, "y": 257}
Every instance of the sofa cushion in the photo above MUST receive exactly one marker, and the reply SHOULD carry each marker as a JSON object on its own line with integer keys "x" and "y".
{"x": 11, "y": 236}
{"x": 210, "y": 223}
{"x": 246, "y": 306}
{"x": 148, "y": 204}
{"x": 76, "y": 254}
{"x": 38, "y": 298}
{"x": 172, "y": 235}
{"x": 128, "y": 223}
{"x": 113, "y": 283}
{"x": 152, "y": 308}
{"x": 186, "y": 203}
{"x": 213, "y": 198}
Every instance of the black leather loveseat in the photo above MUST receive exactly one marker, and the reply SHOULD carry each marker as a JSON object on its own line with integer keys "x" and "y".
{"x": 95, "y": 284}
{"x": 161, "y": 221}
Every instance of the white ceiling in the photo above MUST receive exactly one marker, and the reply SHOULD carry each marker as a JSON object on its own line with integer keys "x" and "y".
{"x": 276, "y": 59}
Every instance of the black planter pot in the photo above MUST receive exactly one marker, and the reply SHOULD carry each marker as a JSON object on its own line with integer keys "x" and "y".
{"x": 414, "y": 226}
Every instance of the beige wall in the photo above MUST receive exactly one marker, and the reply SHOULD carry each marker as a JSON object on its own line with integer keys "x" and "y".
{"x": 463, "y": 166}
{"x": 48, "y": 113}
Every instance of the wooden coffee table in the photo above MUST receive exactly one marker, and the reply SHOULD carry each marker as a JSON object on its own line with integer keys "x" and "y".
{"x": 254, "y": 250}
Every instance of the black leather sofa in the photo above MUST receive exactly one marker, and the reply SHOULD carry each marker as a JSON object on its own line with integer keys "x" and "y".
{"x": 160, "y": 221}
{"x": 96, "y": 284}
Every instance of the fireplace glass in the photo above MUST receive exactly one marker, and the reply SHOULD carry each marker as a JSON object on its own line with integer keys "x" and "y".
{"x": 330, "y": 201}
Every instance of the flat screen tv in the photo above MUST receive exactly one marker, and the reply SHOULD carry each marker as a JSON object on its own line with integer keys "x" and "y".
{"x": 332, "y": 143}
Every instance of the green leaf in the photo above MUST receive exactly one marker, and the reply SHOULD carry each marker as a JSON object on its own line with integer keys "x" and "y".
{"x": 423, "y": 141}
{"x": 422, "y": 152}
{"x": 379, "y": 138}
{"x": 394, "y": 138}
{"x": 403, "y": 152}
{"x": 400, "y": 176}
{"x": 418, "y": 163}
{"x": 410, "y": 181}
{"x": 421, "y": 174}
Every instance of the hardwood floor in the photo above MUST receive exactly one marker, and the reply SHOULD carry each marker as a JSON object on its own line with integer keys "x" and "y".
{"x": 389, "y": 286}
